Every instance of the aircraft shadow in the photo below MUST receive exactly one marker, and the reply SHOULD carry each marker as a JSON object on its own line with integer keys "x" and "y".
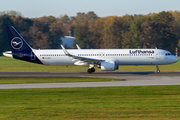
{"x": 134, "y": 73}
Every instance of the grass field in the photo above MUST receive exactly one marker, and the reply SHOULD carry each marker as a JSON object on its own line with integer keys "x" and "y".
{"x": 126, "y": 103}
{"x": 9, "y": 64}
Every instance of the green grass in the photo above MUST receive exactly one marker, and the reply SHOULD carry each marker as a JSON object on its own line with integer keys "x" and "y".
{"x": 53, "y": 80}
{"x": 126, "y": 103}
{"x": 9, "y": 64}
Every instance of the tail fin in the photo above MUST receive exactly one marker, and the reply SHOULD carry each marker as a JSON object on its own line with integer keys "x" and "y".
{"x": 16, "y": 41}
{"x": 20, "y": 48}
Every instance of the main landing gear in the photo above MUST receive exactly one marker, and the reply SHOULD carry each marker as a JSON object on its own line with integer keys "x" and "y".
{"x": 158, "y": 71}
{"x": 91, "y": 70}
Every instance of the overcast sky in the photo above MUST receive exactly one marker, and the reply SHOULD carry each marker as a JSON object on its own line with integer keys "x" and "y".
{"x": 103, "y": 8}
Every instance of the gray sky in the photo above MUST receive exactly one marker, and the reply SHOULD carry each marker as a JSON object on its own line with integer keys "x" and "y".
{"x": 103, "y": 8}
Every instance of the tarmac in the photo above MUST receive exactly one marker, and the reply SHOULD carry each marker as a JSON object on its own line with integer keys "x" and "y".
{"x": 131, "y": 79}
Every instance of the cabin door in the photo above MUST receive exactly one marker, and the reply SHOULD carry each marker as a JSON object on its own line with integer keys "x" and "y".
{"x": 157, "y": 54}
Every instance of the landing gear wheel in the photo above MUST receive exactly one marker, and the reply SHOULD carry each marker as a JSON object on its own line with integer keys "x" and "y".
{"x": 89, "y": 71}
{"x": 158, "y": 71}
{"x": 92, "y": 69}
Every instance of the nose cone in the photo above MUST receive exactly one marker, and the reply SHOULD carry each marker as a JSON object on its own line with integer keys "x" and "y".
{"x": 174, "y": 59}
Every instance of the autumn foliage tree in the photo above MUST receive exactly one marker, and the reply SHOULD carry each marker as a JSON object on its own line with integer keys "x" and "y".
{"x": 159, "y": 30}
{"x": 4, "y": 42}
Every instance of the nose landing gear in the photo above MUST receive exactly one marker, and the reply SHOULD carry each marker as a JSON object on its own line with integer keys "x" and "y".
{"x": 158, "y": 71}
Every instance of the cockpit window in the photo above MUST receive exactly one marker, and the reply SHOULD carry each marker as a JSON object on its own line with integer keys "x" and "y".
{"x": 167, "y": 54}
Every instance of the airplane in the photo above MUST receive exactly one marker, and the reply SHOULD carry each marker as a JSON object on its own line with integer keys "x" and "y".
{"x": 105, "y": 59}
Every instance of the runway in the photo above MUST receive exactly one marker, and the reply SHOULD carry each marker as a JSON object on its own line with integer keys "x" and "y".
{"x": 131, "y": 79}
{"x": 96, "y": 74}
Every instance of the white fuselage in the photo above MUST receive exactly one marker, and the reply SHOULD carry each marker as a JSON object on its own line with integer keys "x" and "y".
{"x": 121, "y": 56}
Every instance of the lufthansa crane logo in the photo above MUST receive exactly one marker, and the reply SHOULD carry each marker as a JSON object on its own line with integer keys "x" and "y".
{"x": 16, "y": 43}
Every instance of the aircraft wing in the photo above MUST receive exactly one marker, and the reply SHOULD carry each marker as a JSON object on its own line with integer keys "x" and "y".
{"x": 85, "y": 59}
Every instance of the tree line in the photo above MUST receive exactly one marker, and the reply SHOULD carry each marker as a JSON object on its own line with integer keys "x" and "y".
{"x": 158, "y": 30}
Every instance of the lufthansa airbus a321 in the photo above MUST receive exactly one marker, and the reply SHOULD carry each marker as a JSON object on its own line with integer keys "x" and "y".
{"x": 105, "y": 59}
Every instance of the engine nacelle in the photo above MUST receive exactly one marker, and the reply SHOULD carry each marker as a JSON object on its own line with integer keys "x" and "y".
{"x": 109, "y": 66}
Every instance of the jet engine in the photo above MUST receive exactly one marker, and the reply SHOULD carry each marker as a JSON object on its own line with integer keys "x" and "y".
{"x": 109, "y": 66}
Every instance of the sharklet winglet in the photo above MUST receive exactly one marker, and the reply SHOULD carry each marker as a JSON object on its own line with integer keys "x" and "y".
{"x": 78, "y": 47}
{"x": 65, "y": 51}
